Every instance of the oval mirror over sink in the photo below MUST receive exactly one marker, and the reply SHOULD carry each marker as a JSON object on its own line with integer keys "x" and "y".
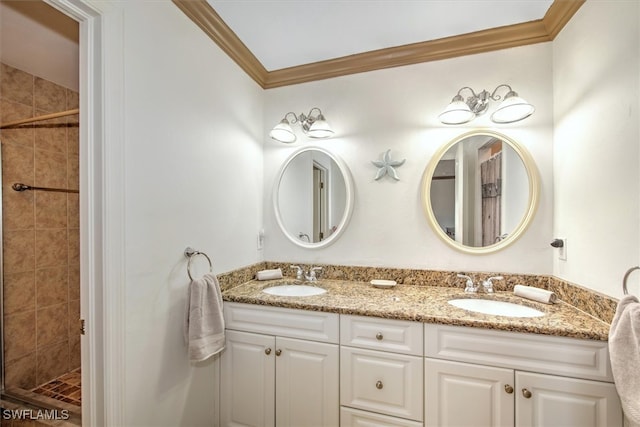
{"x": 480, "y": 192}
{"x": 313, "y": 197}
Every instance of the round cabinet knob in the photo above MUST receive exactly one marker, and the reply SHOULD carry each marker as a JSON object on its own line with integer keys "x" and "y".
{"x": 526, "y": 393}
{"x": 379, "y": 385}
{"x": 267, "y": 351}
{"x": 508, "y": 388}
{"x": 379, "y": 336}
{"x": 278, "y": 352}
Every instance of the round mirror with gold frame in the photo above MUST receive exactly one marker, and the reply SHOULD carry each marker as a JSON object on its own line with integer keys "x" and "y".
{"x": 480, "y": 191}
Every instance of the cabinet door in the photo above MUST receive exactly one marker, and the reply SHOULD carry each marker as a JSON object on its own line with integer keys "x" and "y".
{"x": 307, "y": 383}
{"x": 247, "y": 380}
{"x": 461, "y": 394}
{"x": 549, "y": 401}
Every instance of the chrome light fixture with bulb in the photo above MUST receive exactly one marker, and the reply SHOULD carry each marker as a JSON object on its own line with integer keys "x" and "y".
{"x": 314, "y": 126}
{"x": 512, "y": 108}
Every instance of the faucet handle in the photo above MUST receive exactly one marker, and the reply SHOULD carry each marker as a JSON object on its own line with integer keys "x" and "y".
{"x": 299, "y": 271}
{"x": 488, "y": 284}
{"x": 469, "y": 285}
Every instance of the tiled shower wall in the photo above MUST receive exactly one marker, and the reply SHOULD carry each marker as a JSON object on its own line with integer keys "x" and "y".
{"x": 41, "y": 230}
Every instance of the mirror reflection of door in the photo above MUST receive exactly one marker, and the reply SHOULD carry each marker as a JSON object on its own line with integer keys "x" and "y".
{"x": 319, "y": 201}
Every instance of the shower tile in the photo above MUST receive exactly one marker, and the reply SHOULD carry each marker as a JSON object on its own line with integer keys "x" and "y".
{"x": 19, "y": 292}
{"x": 52, "y": 325}
{"x": 73, "y": 177}
{"x": 10, "y": 111}
{"x": 19, "y": 335}
{"x": 74, "y": 282}
{"x": 73, "y": 99}
{"x": 51, "y": 248}
{"x": 16, "y": 84}
{"x": 21, "y": 372}
{"x": 17, "y": 163}
{"x": 51, "y": 169}
{"x": 73, "y": 135}
{"x": 18, "y": 208}
{"x": 49, "y": 96}
{"x": 52, "y": 362}
{"x": 51, "y": 135}
{"x": 74, "y": 246}
{"x": 74, "y": 352}
{"x": 52, "y": 286}
{"x": 51, "y": 210}
{"x": 73, "y": 206}
{"x": 19, "y": 250}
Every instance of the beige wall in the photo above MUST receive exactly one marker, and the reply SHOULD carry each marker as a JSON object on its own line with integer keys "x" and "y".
{"x": 41, "y": 231}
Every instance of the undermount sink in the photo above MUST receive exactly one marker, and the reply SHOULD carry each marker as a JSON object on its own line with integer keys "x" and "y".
{"x": 496, "y": 308}
{"x": 294, "y": 290}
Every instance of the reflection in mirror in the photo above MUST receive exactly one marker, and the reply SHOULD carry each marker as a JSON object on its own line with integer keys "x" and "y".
{"x": 313, "y": 197}
{"x": 480, "y": 192}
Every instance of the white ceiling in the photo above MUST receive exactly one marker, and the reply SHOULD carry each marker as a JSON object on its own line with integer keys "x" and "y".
{"x": 287, "y": 33}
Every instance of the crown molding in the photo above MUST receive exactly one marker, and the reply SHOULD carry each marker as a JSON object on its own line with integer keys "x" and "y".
{"x": 538, "y": 31}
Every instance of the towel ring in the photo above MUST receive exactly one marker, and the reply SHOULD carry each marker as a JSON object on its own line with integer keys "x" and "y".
{"x": 626, "y": 276}
{"x": 191, "y": 254}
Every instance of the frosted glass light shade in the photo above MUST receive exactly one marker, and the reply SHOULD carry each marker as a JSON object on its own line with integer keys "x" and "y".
{"x": 320, "y": 129}
{"x": 512, "y": 109}
{"x": 282, "y": 132}
{"x": 456, "y": 113}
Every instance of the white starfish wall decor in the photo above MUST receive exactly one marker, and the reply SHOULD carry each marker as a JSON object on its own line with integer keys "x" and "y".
{"x": 386, "y": 166}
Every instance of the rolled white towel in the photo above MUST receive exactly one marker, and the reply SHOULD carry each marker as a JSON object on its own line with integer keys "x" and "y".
{"x": 269, "y": 274}
{"x": 536, "y": 294}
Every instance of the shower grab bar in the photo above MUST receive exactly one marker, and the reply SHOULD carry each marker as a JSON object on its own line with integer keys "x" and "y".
{"x": 191, "y": 253}
{"x": 626, "y": 276}
{"x": 40, "y": 118}
{"x": 24, "y": 187}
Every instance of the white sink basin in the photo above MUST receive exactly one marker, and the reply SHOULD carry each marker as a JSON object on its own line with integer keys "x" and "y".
{"x": 294, "y": 290}
{"x": 496, "y": 308}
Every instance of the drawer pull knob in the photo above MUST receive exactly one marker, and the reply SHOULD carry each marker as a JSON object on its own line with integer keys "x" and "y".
{"x": 267, "y": 351}
{"x": 278, "y": 352}
{"x": 379, "y": 336}
{"x": 508, "y": 388}
{"x": 379, "y": 385}
{"x": 526, "y": 393}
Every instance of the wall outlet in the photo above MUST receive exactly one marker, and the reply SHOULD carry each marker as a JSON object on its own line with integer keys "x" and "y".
{"x": 562, "y": 252}
{"x": 260, "y": 240}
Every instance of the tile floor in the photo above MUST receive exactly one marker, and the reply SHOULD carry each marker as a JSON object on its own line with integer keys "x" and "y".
{"x": 65, "y": 388}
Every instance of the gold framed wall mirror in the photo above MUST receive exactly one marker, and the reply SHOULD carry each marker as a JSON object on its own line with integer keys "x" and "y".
{"x": 480, "y": 191}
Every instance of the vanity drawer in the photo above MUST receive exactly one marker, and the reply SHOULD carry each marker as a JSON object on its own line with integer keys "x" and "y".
{"x": 398, "y": 336}
{"x": 283, "y": 322}
{"x": 532, "y": 352}
{"x": 382, "y": 382}
{"x": 354, "y": 418}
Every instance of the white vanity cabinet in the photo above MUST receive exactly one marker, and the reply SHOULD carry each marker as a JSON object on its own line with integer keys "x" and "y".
{"x": 381, "y": 372}
{"x": 476, "y": 377}
{"x": 280, "y": 367}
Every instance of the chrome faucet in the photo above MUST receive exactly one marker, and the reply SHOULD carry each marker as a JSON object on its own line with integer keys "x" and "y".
{"x": 487, "y": 284}
{"x": 311, "y": 276}
{"x": 470, "y": 287}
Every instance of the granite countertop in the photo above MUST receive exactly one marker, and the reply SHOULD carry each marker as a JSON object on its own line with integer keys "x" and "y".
{"x": 424, "y": 304}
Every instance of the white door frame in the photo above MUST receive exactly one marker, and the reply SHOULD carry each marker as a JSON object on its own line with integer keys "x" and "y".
{"x": 101, "y": 208}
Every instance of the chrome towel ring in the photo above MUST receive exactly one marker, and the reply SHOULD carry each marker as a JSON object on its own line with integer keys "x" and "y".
{"x": 626, "y": 276}
{"x": 191, "y": 253}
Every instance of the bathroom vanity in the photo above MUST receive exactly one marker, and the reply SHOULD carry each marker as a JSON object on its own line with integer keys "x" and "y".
{"x": 358, "y": 355}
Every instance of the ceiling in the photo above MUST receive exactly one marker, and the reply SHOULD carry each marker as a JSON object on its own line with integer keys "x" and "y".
{"x": 283, "y": 42}
{"x": 286, "y": 33}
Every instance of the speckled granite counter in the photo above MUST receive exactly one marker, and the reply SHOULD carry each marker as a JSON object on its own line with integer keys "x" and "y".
{"x": 424, "y": 304}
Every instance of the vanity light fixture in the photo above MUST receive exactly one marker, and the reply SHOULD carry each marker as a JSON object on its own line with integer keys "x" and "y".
{"x": 511, "y": 109}
{"x": 314, "y": 126}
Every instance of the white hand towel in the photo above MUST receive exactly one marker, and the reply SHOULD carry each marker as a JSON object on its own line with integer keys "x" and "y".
{"x": 204, "y": 323}
{"x": 269, "y": 274}
{"x": 535, "y": 294}
{"x": 624, "y": 351}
